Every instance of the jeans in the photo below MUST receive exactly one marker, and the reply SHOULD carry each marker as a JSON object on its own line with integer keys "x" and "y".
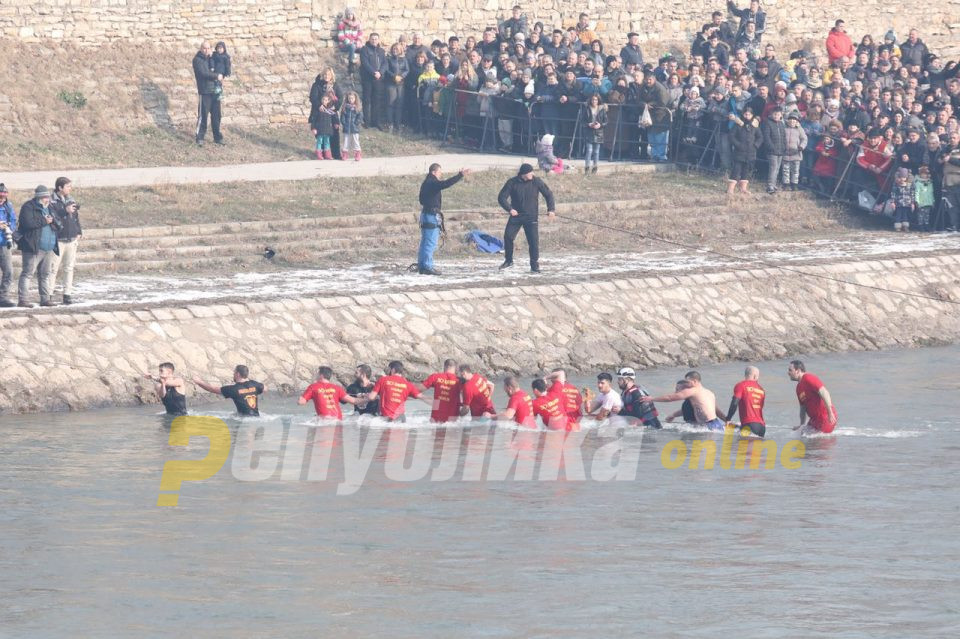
{"x": 6, "y": 266}
{"x": 395, "y": 104}
{"x": 67, "y": 259}
{"x": 658, "y": 144}
{"x": 429, "y": 238}
{"x": 791, "y": 172}
{"x": 40, "y": 264}
{"x": 774, "y": 162}
{"x": 531, "y": 231}
{"x": 593, "y": 154}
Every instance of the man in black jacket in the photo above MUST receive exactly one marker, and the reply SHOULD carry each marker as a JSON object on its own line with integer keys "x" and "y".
{"x": 38, "y": 243}
{"x": 66, "y": 211}
{"x": 431, "y": 217}
{"x": 207, "y": 80}
{"x": 520, "y": 197}
{"x": 373, "y": 66}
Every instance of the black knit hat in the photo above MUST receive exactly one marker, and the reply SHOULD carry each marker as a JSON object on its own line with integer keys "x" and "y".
{"x": 3, "y": 188}
{"x": 525, "y": 168}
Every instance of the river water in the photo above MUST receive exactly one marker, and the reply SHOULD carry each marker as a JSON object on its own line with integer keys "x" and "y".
{"x": 860, "y": 541}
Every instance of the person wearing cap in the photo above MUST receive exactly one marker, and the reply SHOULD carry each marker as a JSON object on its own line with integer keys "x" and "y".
{"x": 8, "y": 224}
{"x": 520, "y": 197}
{"x": 635, "y": 401}
{"x": 431, "y": 216}
{"x": 67, "y": 212}
{"x": 774, "y": 132}
{"x": 796, "y": 142}
{"x": 38, "y": 244}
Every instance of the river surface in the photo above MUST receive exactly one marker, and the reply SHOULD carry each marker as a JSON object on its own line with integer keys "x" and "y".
{"x": 860, "y": 541}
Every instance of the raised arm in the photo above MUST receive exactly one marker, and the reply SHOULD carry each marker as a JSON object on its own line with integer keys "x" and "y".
{"x": 210, "y": 388}
{"x": 672, "y": 397}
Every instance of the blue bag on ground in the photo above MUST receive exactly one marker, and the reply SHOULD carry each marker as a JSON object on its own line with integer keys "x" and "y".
{"x": 485, "y": 243}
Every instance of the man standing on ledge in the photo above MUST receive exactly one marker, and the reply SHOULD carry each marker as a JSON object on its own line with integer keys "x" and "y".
{"x": 431, "y": 217}
{"x": 520, "y": 197}
{"x": 815, "y": 400}
{"x": 207, "y": 80}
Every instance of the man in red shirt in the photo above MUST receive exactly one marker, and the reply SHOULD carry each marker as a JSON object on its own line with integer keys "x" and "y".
{"x": 549, "y": 407}
{"x": 748, "y": 398}
{"x": 446, "y": 393}
{"x": 393, "y": 389}
{"x": 477, "y": 393}
{"x": 519, "y": 407}
{"x": 326, "y": 396}
{"x": 571, "y": 399}
{"x": 815, "y": 400}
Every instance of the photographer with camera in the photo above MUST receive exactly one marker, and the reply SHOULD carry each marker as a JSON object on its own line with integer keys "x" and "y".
{"x": 8, "y": 222}
{"x": 37, "y": 230}
{"x": 66, "y": 210}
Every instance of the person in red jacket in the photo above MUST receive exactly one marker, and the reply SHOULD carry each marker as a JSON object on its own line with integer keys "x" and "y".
{"x": 815, "y": 401}
{"x": 326, "y": 395}
{"x": 477, "y": 393}
{"x": 572, "y": 399}
{"x": 393, "y": 389}
{"x": 839, "y": 44}
{"x": 519, "y": 407}
{"x": 548, "y": 407}
{"x": 446, "y": 393}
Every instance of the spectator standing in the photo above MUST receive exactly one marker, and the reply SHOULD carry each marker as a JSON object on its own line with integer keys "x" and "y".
{"x": 66, "y": 210}
{"x": 951, "y": 187}
{"x": 397, "y": 71}
{"x": 594, "y": 120}
{"x": 913, "y": 51}
{"x": 515, "y": 24}
{"x": 631, "y": 52}
{"x": 326, "y": 84}
{"x": 209, "y": 107}
{"x": 37, "y": 228}
{"x": 839, "y": 44}
{"x": 775, "y": 143}
{"x": 796, "y": 143}
{"x": 654, "y": 100}
{"x": 923, "y": 198}
{"x": 752, "y": 14}
{"x": 351, "y": 119}
{"x": 324, "y": 122}
{"x": 520, "y": 197}
{"x": 349, "y": 37}
{"x": 373, "y": 66}
{"x": 8, "y": 224}
{"x": 745, "y": 139}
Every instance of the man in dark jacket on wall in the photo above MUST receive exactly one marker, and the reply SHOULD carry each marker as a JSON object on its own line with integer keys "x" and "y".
{"x": 38, "y": 243}
{"x": 520, "y": 197}
{"x": 207, "y": 79}
{"x": 373, "y": 66}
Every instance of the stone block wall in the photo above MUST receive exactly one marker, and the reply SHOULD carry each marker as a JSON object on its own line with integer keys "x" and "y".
{"x": 74, "y": 360}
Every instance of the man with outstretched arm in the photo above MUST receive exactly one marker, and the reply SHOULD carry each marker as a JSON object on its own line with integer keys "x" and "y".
{"x": 635, "y": 401}
{"x": 477, "y": 393}
{"x": 327, "y": 396}
{"x": 520, "y": 197}
{"x": 606, "y": 403}
{"x": 815, "y": 401}
{"x": 393, "y": 389}
{"x": 703, "y": 400}
{"x": 244, "y": 391}
{"x": 748, "y": 399}
{"x": 431, "y": 216}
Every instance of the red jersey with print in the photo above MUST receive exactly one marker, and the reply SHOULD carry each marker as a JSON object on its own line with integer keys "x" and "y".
{"x": 750, "y": 396}
{"x": 522, "y": 407}
{"x": 326, "y": 398}
{"x": 476, "y": 394}
{"x": 446, "y": 396}
{"x": 549, "y": 408}
{"x": 808, "y": 392}
{"x": 393, "y": 392}
{"x": 572, "y": 400}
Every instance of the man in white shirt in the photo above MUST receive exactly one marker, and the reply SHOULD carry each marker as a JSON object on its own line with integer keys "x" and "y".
{"x": 605, "y": 403}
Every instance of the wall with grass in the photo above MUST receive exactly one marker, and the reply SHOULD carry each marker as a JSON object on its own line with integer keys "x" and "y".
{"x": 585, "y": 326}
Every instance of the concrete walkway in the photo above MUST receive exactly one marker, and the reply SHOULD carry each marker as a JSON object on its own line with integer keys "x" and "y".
{"x": 275, "y": 171}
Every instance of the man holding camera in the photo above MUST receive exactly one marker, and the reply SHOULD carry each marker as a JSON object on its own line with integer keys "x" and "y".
{"x": 8, "y": 223}
{"x": 38, "y": 244}
{"x": 66, "y": 210}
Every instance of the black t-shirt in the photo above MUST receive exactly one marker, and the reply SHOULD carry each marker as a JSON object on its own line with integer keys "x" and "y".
{"x": 245, "y": 396}
{"x": 355, "y": 390}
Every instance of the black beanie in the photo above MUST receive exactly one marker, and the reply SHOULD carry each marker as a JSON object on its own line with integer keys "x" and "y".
{"x": 525, "y": 168}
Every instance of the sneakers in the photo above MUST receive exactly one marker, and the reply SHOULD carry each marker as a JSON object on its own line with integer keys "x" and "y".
{"x": 535, "y": 270}
{"x": 7, "y": 304}
{"x": 428, "y": 271}
{"x": 506, "y": 264}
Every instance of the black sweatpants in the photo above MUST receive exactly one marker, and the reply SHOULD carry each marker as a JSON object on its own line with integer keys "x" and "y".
{"x": 531, "y": 231}
{"x": 372, "y": 100}
{"x": 209, "y": 105}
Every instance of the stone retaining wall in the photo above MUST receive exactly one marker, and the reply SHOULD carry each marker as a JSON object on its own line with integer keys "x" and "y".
{"x": 648, "y": 321}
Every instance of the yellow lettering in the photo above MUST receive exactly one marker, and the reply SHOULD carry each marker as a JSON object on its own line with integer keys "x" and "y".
{"x": 667, "y": 458}
{"x": 794, "y": 450}
{"x": 725, "y": 449}
{"x": 741, "y": 461}
{"x": 709, "y": 450}
{"x": 767, "y": 447}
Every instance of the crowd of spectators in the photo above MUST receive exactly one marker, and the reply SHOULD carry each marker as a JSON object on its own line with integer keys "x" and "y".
{"x": 842, "y": 121}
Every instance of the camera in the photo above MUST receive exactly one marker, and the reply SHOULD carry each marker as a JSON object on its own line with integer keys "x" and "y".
{"x": 6, "y": 239}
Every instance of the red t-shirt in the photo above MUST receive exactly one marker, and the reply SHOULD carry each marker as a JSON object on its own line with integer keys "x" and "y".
{"x": 550, "y": 409}
{"x": 808, "y": 392}
{"x": 751, "y": 396}
{"x": 446, "y": 396}
{"x": 522, "y": 407}
{"x": 326, "y": 398}
{"x": 393, "y": 391}
{"x": 572, "y": 400}
{"x": 476, "y": 394}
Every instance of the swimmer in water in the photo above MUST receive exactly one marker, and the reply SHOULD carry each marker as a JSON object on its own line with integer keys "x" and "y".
{"x": 815, "y": 401}
{"x": 519, "y": 406}
{"x": 393, "y": 389}
{"x": 703, "y": 400}
{"x": 244, "y": 391}
{"x": 748, "y": 399}
{"x": 170, "y": 390}
{"x": 686, "y": 409}
{"x": 606, "y": 403}
{"x": 327, "y": 396}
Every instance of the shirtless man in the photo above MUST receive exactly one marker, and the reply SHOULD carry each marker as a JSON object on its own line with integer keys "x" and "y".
{"x": 170, "y": 389}
{"x": 686, "y": 410}
{"x": 703, "y": 400}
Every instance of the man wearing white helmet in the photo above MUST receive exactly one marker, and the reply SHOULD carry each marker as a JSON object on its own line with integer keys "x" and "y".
{"x": 636, "y": 400}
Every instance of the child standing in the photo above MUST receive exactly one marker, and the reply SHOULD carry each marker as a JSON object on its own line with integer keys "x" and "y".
{"x": 221, "y": 65}
{"x": 323, "y": 122}
{"x": 923, "y": 197}
{"x": 902, "y": 196}
{"x": 594, "y": 120}
{"x": 351, "y": 119}
{"x": 796, "y": 139}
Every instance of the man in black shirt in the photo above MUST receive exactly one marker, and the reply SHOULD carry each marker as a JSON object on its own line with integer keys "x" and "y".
{"x": 520, "y": 197}
{"x": 431, "y": 219}
{"x": 361, "y": 387}
{"x": 244, "y": 391}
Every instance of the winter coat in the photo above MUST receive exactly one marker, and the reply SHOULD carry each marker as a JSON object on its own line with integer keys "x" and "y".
{"x": 746, "y": 15}
{"x": 351, "y": 119}
{"x": 546, "y": 160}
{"x": 839, "y": 45}
{"x": 204, "y": 74}
{"x": 397, "y": 65}
{"x": 221, "y": 61}
{"x": 913, "y": 53}
{"x": 30, "y": 227}
{"x": 349, "y": 32}
{"x": 591, "y": 135}
{"x": 795, "y": 143}
{"x": 69, "y": 223}
{"x": 656, "y": 98}
{"x": 323, "y": 120}
{"x": 631, "y": 55}
{"x": 774, "y": 136}
{"x": 372, "y": 60}
{"x": 923, "y": 192}
{"x": 321, "y": 88}
{"x": 745, "y": 139}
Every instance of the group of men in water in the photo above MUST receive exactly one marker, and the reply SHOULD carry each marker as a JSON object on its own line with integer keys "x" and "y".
{"x": 458, "y": 391}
